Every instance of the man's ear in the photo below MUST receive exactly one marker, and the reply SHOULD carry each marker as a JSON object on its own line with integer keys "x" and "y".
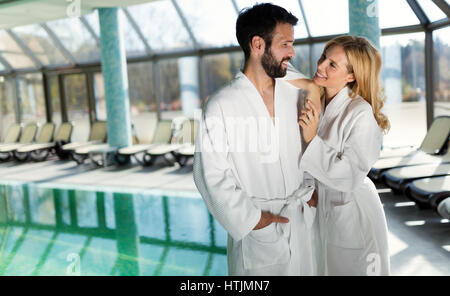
{"x": 257, "y": 45}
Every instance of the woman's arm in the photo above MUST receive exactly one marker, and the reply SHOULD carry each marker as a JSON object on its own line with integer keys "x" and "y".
{"x": 344, "y": 171}
{"x": 312, "y": 89}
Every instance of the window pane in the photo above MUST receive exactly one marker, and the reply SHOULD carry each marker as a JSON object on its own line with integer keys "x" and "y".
{"x": 76, "y": 39}
{"x": 390, "y": 16}
{"x": 442, "y": 71}
{"x": 169, "y": 92}
{"x": 133, "y": 44}
{"x": 55, "y": 99}
{"x": 291, "y": 6}
{"x": 317, "y": 51}
{"x": 99, "y": 92}
{"x": 2, "y": 68}
{"x": 319, "y": 11}
{"x": 77, "y": 105}
{"x": 220, "y": 69}
{"x": 433, "y": 12}
{"x": 404, "y": 86}
{"x": 38, "y": 41}
{"x": 143, "y": 106}
{"x": 301, "y": 60}
{"x": 7, "y": 104}
{"x": 12, "y": 53}
{"x": 31, "y": 98}
{"x": 161, "y": 25}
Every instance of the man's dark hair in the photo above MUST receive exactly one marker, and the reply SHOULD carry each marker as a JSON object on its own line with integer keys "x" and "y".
{"x": 260, "y": 20}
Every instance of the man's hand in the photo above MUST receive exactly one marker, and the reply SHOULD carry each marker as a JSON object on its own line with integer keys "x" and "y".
{"x": 269, "y": 218}
{"x": 314, "y": 200}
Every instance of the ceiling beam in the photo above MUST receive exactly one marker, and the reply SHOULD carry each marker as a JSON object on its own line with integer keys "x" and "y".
{"x": 444, "y": 6}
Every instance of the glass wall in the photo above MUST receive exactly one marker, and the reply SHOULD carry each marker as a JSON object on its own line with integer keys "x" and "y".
{"x": 143, "y": 103}
{"x": 55, "y": 99}
{"x": 403, "y": 76}
{"x": 31, "y": 98}
{"x": 99, "y": 96}
{"x": 7, "y": 105}
{"x": 169, "y": 89}
{"x": 301, "y": 61}
{"x": 442, "y": 72}
{"x": 220, "y": 69}
{"x": 77, "y": 105}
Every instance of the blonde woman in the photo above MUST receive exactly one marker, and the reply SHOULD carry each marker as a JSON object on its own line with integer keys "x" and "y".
{"x": 342, "y": 147}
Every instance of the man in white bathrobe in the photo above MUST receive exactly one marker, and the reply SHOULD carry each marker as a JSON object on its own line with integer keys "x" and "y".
{"x": 248, "y": 148}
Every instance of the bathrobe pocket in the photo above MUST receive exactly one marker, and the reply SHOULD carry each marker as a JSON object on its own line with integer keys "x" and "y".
{"x": 344, "y": 226}
{"x": 265, "y": 247}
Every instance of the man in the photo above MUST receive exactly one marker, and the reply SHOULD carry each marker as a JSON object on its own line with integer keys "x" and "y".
{"x": 248, "y": 151}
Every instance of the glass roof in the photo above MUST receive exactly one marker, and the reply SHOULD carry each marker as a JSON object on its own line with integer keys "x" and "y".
{"x": 433, "y": 12}
{"x": 326, "y": 17}
{"x": 134, "y": 46}
{"x": 290, "y": 5}
{"x": 389, "y": 14}
{"x": 12, "y": 53}
{"x": 76, "y": 39}
{"x": 211, "y": 29}
{"x": 173, "y": 25}
{"x": 39, "y": 42}
{"x": 161, "y": 26}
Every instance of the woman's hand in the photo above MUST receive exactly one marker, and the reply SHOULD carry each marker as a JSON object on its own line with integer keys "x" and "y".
{"x": 309, "y": 121}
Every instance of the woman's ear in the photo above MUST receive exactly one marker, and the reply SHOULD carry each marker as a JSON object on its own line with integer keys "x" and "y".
{"x": 350, "y": 77}
{"x": 257, "y": 45}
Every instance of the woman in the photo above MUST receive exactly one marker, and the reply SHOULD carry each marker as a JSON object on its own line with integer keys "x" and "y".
{"x": 342, "y": 147}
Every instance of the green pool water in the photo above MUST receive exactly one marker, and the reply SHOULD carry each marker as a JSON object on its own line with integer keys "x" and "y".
{"x": 58, "y": 230}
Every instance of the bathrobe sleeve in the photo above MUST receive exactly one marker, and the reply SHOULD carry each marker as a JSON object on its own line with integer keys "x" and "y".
{"x": 215, "y": 180}
{"x": 345, "y": 170}
{"x": 293, "y": 74}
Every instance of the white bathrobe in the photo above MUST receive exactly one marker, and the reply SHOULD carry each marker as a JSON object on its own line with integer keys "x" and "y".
{"x": 351, "y": 216}
{"x": 245, "y": 163}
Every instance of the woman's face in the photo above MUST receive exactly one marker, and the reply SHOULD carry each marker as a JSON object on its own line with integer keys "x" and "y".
{"x": 332, "y": 69}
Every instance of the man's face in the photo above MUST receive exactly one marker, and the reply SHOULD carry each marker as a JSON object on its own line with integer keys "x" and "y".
{"x": 276, "y": 57}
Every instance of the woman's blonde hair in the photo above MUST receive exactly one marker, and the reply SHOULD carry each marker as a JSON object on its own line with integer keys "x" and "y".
{"x": 364, "y": 61}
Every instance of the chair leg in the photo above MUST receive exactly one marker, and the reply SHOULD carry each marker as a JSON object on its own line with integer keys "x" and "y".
{"x": 5, "y": 156}
{"x": 148, "y": 160}
{"x": 21, "y": 156}
{"x": 40, "y": 155}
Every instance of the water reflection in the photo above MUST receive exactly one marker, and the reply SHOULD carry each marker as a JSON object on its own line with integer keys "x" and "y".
{"x": 51, "y": 231}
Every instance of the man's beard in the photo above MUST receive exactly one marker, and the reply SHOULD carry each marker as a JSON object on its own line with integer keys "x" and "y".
{"x": 273, "y": 68}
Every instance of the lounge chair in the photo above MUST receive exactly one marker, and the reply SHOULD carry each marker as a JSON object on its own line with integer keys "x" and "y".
{"x": 433, "y": 143}
{"x": 416, "y": 158}
{"x": 185, "y": 153}
{"x": 398, "y": 178}
{"x": 40, "y": 151}
{"x": 97, "y": 135}
{"x": 429, "y": 192}
{"x": 12, "y": 134}
{"x": 28, "y": 135}
{"x": 162, "y": 135}
{"x": 443, "y": 208}
{"x": 181, "y": 138}
{"x": 45, "y": 136}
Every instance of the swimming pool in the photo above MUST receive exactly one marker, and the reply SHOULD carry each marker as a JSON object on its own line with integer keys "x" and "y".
{"x": 56, "y": 229}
